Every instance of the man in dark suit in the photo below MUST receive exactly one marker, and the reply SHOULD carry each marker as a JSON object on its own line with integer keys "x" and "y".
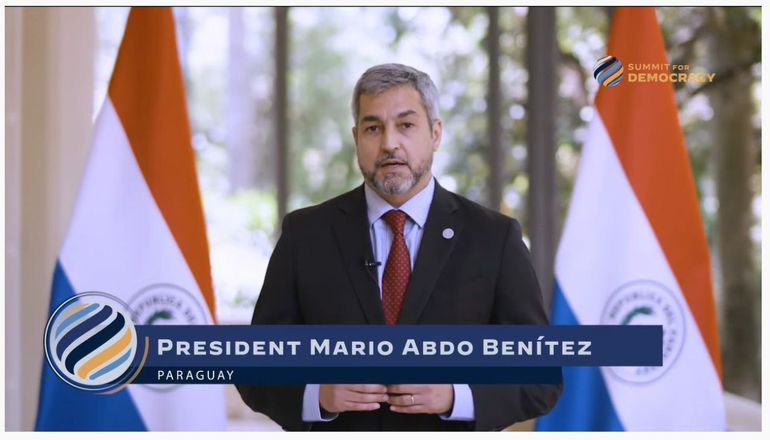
{"x": 399, "y": 249}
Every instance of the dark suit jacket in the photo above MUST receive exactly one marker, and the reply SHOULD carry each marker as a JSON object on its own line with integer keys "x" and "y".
{"x": 482, "y": 275}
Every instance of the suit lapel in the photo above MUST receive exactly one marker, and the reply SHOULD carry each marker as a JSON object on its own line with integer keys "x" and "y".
{"x": 433, "y": 254}
{"x": 352, "y": 235}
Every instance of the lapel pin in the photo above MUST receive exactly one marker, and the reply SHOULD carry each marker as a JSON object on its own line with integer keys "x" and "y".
{"x": 448, "y": 233}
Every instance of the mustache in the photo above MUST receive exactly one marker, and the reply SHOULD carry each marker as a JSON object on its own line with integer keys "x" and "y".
{"x": 388, "y": 159}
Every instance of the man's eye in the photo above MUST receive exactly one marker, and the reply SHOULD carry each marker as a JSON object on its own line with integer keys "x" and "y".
{"x": 372, "y": 129}
{"x": 407, "y": 125}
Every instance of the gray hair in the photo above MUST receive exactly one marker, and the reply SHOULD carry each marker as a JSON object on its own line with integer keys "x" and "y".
{"x": 380, "y": 78}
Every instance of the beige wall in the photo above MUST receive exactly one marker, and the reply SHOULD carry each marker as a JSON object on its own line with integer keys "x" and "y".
{"x": 49, "y": 93}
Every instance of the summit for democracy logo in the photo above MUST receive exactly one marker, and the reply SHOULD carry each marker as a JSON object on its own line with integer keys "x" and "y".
{"x": 91, "y": 343}
{"x": 609, "y": 71}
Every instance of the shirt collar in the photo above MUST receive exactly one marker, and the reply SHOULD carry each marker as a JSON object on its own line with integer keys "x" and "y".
{"x": 416, "y": 208}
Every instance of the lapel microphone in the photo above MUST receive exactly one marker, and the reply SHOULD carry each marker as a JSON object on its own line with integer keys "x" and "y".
{"x": 370, "y": 264}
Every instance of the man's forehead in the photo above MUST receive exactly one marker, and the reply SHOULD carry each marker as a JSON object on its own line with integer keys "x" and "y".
{"x": 400, "y": 101}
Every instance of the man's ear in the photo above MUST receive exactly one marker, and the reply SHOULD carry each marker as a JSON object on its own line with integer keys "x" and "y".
{"x": 435, "y": 133}
{"x": 354, "y": 130}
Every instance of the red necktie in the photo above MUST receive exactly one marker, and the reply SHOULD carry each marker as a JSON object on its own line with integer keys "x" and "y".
{"x": 398, "y": 269}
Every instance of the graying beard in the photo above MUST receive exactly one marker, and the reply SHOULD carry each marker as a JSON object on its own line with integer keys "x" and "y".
{"x": 393, "y": 189}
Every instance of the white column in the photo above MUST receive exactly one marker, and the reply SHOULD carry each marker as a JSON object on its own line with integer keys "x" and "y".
{"x": 50, "y": 69}
{"x": 13, "y": 389}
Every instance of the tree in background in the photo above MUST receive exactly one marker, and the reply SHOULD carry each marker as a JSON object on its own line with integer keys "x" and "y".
{"x": 732, "y": 39}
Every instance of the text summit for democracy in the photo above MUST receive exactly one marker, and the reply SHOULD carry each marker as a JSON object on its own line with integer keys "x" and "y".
{"x": 661, "y": 73}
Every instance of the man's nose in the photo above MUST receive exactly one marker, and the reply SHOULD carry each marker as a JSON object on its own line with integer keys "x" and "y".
{"x": 389, "y": 140}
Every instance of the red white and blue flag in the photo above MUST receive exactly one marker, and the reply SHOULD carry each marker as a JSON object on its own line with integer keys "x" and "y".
{"x": 633, "y": 251}
{"x": 138, "y": 233}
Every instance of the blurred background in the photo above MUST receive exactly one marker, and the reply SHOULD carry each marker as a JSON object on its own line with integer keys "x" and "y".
{"x": 269, "y": 103}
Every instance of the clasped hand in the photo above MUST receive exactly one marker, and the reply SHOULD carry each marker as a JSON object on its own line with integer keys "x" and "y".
{"x": 408, "y": 399}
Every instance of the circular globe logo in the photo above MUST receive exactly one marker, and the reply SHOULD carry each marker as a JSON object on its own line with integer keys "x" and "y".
{"x": 91, "y": 341}
{"x": 608, "y": 71}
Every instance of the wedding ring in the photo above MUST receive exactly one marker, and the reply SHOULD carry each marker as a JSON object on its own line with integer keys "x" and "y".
{"x": 412, "y": 396}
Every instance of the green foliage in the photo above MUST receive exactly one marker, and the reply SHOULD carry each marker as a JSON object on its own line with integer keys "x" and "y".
{"x": 321, "y": 146}
{"x": 259, "y": 208}
{"x": 581, "y": 37}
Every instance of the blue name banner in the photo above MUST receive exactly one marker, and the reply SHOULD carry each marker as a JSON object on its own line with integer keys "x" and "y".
{"x": 285, "y": 354}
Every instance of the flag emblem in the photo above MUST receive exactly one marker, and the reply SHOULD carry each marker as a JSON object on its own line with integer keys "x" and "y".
{"x": 166, "y": 304}
{"x": 646, "y": 302}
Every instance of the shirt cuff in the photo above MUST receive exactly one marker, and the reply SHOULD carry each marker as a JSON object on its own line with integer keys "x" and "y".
{"x": 311, "y": 406}
{"x": 463, "y": 409}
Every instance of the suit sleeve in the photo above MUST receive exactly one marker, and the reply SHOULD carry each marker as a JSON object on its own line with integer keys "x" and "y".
{"x": 277, "y": 304}
{"x": 518, "y": 300}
